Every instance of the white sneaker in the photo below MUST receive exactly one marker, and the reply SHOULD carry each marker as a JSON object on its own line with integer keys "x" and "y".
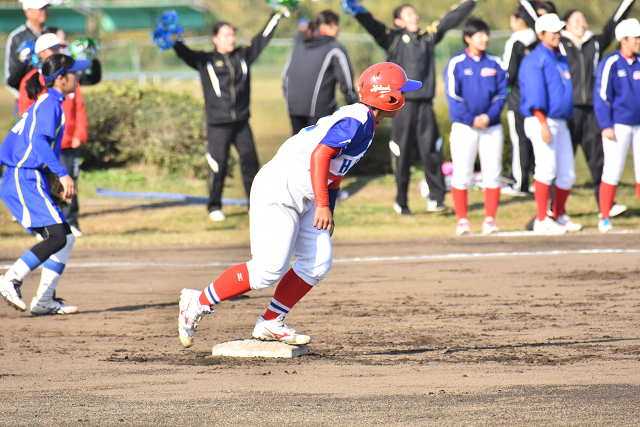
{"x": 401, "y": 210}
{"x": 604, "y": 225}
{"x": 548, "y": 226}
{"x": 191, "y": 312}
{"x": 76, "y": 231}
{"x": 51, "y": 306}
{"x": 435, "y": 206}
{"x": 616, "y": 210}
{"x": 489, "y": 226}
{"x": 217, "y": 216}
{"x": 566, "y": 222}
{"x": 10, "y": 291}
{"x": 463, "y": 227}
{"x": 276, "y": 330}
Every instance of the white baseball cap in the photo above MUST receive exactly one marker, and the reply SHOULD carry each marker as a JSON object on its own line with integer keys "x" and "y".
{"x": 35, "y": 4}
{"x": 48, "y": 41}
{"x": 549, "y": 22}
{"x": 628, "y": 28}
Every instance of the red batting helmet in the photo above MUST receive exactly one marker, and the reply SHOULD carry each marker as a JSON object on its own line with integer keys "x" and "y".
{"x": 381, "y": 86}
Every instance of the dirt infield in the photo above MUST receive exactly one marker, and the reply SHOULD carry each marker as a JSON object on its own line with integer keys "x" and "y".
{"x": 519, "y": 337}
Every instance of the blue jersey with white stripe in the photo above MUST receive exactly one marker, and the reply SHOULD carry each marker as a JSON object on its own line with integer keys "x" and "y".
{"x": 545, "y": 84}
{"x": 475, "y": 85}
{"x": 351, "y": 129}
{"x": 35, "y": 141}
{"x": 617, "y": 91}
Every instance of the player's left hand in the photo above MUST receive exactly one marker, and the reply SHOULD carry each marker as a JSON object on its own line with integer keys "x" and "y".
{"x": 481, "y": 122}
{"x": 323, "y": 219}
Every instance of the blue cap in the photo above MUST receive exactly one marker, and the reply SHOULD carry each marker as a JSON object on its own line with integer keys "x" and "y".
{"x": 411, "y": 85}
{"x": 79, "y": 65}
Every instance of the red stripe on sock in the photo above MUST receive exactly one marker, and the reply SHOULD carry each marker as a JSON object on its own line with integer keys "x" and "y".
{"x": 290, "y": 290}
{"x": 542, "y": 198}
{"x": 607, "y": 194}
{"x": 560, "y": 197}
{"x": 233, "y": 282}
{"x": 459, "y": 202}
{"x": 491, "y": 201}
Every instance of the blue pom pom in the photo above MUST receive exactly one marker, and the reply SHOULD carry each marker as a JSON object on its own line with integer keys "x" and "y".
{"x": 168, "y": 30}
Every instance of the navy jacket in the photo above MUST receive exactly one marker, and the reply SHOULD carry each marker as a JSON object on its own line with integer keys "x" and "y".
{"x": 545, "y": 84}
{"x": 475, "y": 86}
{"x": 617, "y": 92}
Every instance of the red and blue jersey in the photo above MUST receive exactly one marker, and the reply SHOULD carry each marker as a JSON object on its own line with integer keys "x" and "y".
{"x": 475, "y": 85}
{"x": 35, "y": 141}
{"x": 350, "y": 129}
{"x": 545, "y": 84}
{"x": 617, "y": 91}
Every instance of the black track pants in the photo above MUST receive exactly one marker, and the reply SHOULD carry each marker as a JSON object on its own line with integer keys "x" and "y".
{"x": 220, "y": 138}
{"x": 585, "y": 131}
{"x": 416, "y": 122}
{"x": 521, "y": 152}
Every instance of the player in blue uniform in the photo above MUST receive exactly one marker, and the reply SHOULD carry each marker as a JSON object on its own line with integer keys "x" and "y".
{"x": 476, "y": 89}
{"x": 292, "y": 202}
{"x": 617, "y": 106}
{"x": 30, "y": 151}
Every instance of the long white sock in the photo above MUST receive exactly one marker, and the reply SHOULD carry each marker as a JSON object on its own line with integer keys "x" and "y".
{"x": 52, "y": 270}
{"x": 23, "y": 267}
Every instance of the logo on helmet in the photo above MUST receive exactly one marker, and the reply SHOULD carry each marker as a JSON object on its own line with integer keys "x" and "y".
{"x": 381, "y": 89}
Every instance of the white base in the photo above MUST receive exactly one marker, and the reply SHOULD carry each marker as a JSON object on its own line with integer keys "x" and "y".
{"x": 258, "y": 348}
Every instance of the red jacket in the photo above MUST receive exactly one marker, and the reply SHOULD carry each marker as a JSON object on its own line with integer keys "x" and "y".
{"x": 73, "y": 107}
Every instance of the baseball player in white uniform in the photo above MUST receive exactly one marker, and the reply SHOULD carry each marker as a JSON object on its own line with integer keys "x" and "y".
{"x": 476, "y": 88}
{"x": 292, "y": 202}
{"x": 617, "y": 106}
{"x": 547, "y": 105}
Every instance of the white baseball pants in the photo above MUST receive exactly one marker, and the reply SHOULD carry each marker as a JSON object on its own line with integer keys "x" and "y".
{"x": 281, "y": 225}
{"x": 554, "y": 160}
{"x": 467, "y": 143}
{"x": 615, "y": 153}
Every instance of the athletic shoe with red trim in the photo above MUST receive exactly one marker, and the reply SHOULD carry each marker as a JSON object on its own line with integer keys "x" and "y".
{"x": 463, "y": 227}
{"x": 191, "y": 312}
{"x": 276, "y": 330}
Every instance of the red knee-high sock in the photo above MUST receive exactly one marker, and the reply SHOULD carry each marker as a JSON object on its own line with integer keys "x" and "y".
{"x": 638, "y": 190}
{"x": 607, "y": 194}
{"x": 459, "y": 202}
{"x": 560, "y": 197}
{"x": 491, "y": 201}
{"x": 542, "y": 198}
{"x": 233, "y": 282}
{"x": 290, "y": 290}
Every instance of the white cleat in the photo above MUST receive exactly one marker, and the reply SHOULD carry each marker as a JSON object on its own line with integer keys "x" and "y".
{"x": 276, "y": 330}
{"x": 51, "y": 306}
{"x": 604, "y": 225}
{"x": 489, "y": 226}
{"x": 566, "y": 222}
{"x": 463, "y": 227}
{"x": 217, "y": 215}
{"x": 548, "y": 226}
{"x": 75, "y": 231}
{"x": 191, "y": 312}
{"x": 10, "y": 291}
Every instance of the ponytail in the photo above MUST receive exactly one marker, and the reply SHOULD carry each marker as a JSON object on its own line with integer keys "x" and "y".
{"x": 53, "y": 67}
{"x": 34, "y": 88}
{"x": 328, "y": 17}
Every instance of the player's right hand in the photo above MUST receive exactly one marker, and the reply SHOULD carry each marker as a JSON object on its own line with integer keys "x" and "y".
{"x": 323, "y": 219}
{"x": 609, "y": 134}
{"x": 69, "y": 186}
{"x": 546, "y": 133}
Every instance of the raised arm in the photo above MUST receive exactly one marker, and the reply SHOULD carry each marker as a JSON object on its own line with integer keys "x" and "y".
{"x": 452, "y": 18}
{"x": 260, "y": 41}
{"x": 384, "y": 36}
{"x": 609, "y": 31}
{"x": 191, "y": 57}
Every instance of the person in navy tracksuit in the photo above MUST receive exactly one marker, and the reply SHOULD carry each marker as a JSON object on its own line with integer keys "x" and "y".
{"x": 617, "y": 106}
{"x": 30, "y": 151}
{"x": 547, "y": 105}
{"x": 476, "y": 88}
